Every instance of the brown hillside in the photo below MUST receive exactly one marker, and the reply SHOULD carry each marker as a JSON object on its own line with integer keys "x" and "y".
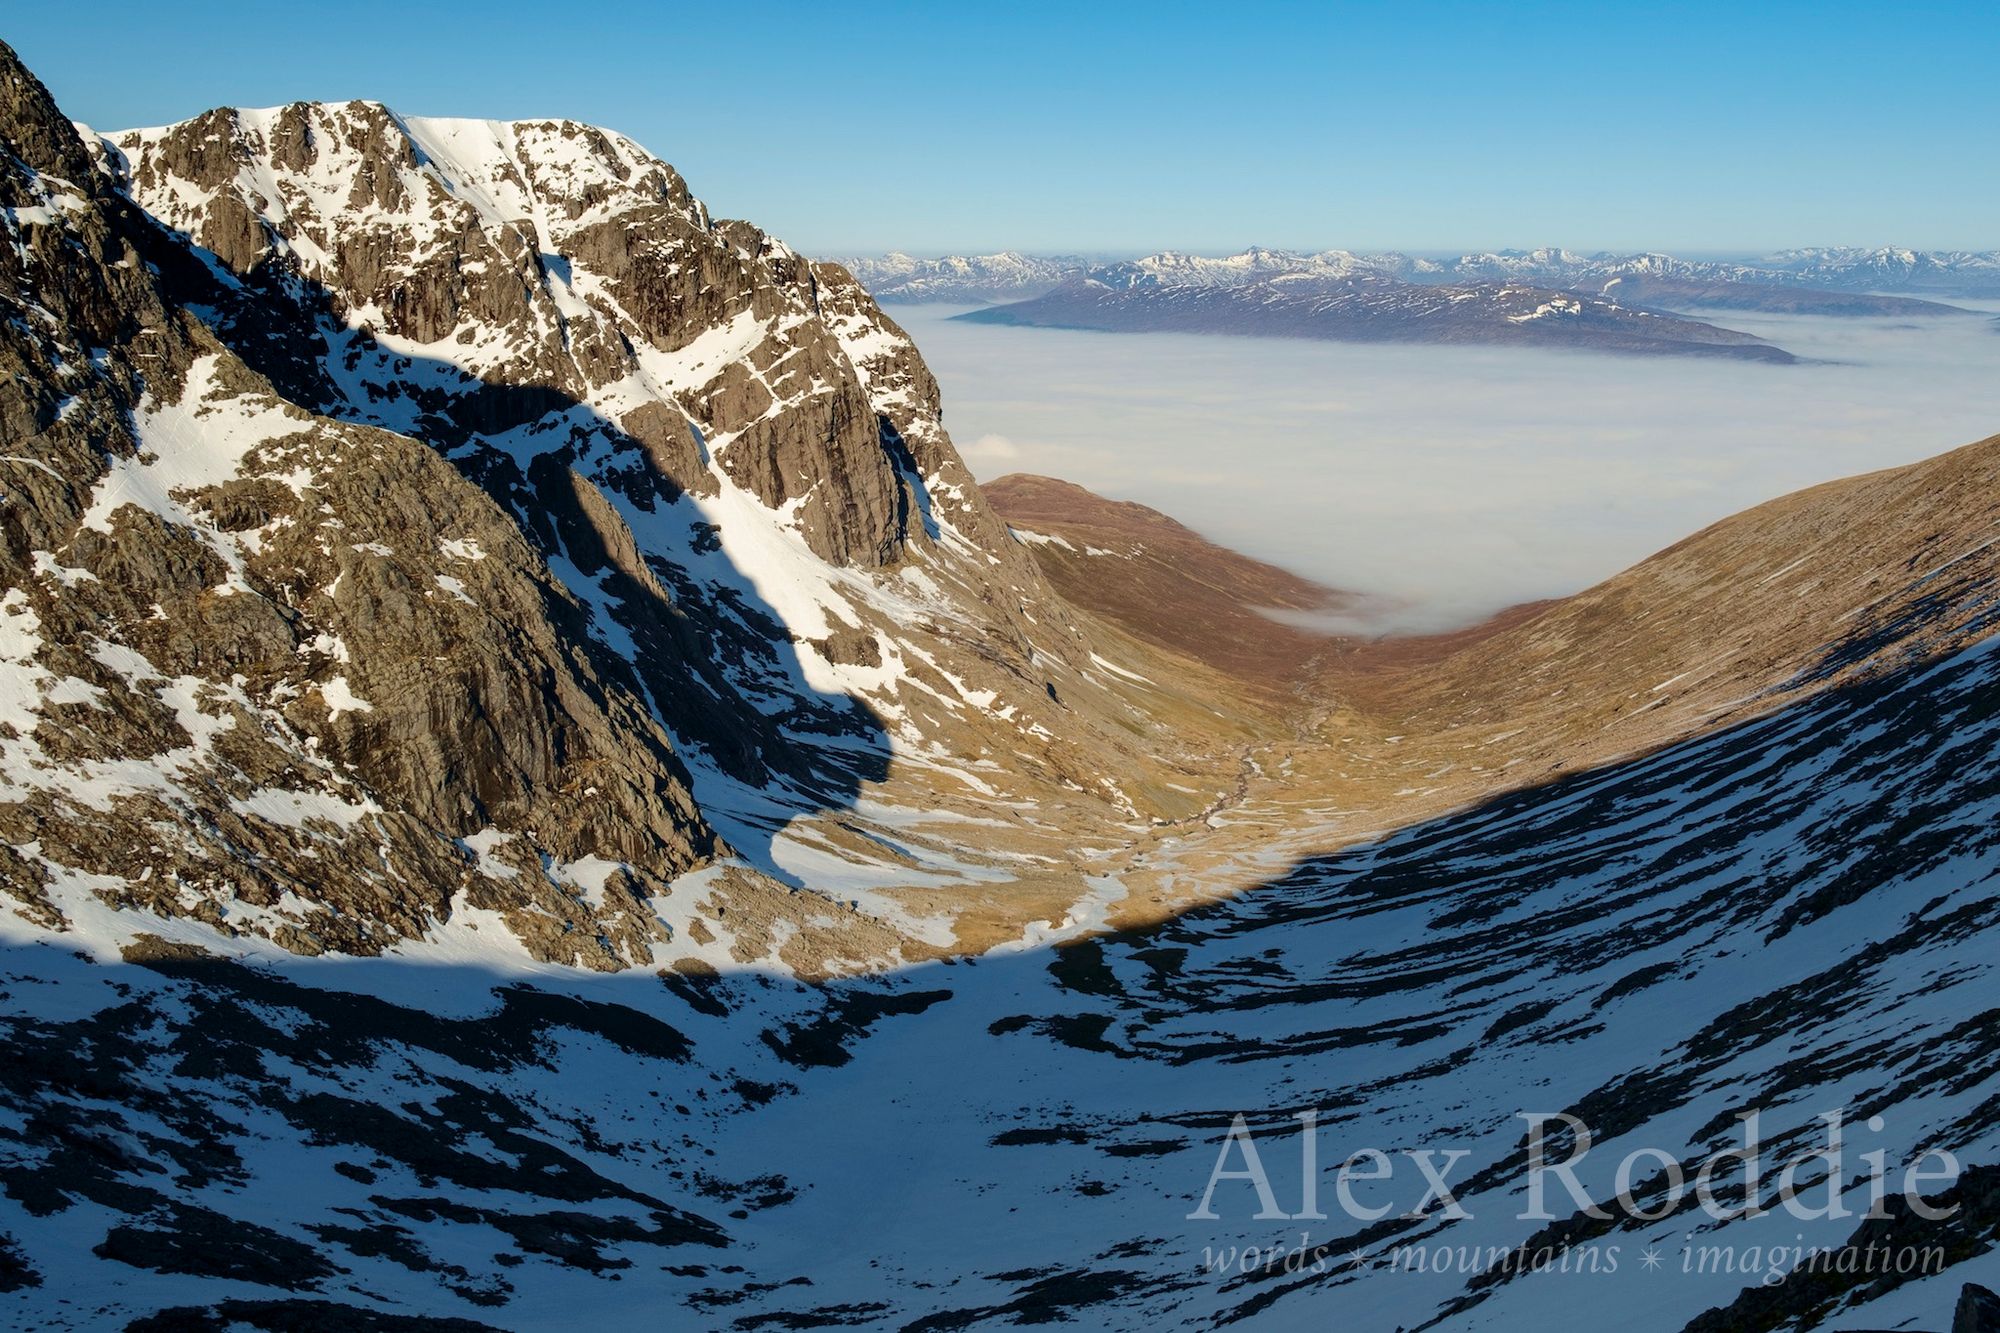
{"x": 1165, "y": 583}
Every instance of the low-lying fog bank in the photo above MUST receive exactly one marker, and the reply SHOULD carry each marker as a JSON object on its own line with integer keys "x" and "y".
{"x": 1454, "y": 481}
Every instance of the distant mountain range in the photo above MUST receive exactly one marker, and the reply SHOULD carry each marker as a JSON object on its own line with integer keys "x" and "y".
{"x": 1865, "y": 274}
{"x": 962, "y": 279}
{"x": 1641, "y": 303}
{"x": 1964, "y": 275}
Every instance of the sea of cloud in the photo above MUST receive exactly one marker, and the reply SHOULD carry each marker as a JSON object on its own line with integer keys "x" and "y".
{"x": 1449, "y": 482}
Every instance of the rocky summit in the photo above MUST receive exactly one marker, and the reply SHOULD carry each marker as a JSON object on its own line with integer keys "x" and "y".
{"x": 535, "y": 788}
{"x": 435, "y": 518}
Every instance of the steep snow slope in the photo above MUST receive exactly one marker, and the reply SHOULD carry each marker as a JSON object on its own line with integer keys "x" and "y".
{"x": 1793, "y": 916}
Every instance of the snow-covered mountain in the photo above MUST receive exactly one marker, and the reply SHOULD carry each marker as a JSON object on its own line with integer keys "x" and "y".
{"x": 1943, "y": 273}
{"x": 461, "y": 488}
{"x": 1007, "y": 276}
{"x": 1861, "y": 274}
{"x": 1904, "y": 273}
{"x": 536, "y": 791}
{"x": 1172, "y": 268}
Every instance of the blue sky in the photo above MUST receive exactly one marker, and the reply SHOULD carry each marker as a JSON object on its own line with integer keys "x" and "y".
{"x": 1122, "y": 128}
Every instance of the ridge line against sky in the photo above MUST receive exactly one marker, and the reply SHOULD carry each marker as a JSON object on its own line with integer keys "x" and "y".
{"x": 1126, "y": 128}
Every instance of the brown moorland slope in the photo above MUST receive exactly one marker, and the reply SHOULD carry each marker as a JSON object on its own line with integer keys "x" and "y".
{"x": 1815, "y": 588}
{"x": 1825, "y": 587}
{"x": 1820, "y": 587}
{"x": 1166, "y": 584}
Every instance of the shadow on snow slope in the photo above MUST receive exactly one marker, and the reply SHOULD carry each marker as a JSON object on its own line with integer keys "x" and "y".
{"x": 1796, "y": 915}
{"x": 710, "y": 655}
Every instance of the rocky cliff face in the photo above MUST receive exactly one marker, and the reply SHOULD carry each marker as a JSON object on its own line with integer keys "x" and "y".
{"x": 550, "y": 264}
{"x": 273, "y": 671}
{"x": 410, "y": 520}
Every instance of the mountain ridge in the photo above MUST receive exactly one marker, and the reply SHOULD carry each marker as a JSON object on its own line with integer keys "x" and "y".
{"x": 1885, "y": 281}
{"x": 1377, "y": 309}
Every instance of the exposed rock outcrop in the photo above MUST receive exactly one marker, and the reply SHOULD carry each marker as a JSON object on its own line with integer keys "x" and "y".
{"x": 283, "y": 667}
{"x": 412, "y": 520}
